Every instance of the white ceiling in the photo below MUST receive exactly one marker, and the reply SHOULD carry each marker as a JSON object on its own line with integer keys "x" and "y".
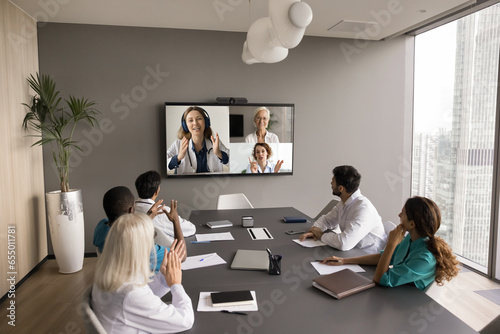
{"x": 391, "y": 17}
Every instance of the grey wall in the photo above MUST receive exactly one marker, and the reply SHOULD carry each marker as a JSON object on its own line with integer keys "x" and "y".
{"x": 349, "y": 110}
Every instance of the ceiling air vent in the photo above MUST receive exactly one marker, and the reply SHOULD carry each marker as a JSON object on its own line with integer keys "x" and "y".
{"x": 351, "y": 26}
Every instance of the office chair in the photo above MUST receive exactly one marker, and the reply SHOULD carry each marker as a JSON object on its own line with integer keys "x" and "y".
{"x": 90, "y": 321}
{"x": 233, "y": 201}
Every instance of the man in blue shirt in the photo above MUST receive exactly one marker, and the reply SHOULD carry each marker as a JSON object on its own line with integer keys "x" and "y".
{"x": 119, "y": 201}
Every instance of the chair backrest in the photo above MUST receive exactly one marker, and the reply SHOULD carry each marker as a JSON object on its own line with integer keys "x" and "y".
{"x": 233, "y": 201}
{"x": 91, "y": 323}
{"x": 389, "y": 226}
{"x": 327, "y": 208}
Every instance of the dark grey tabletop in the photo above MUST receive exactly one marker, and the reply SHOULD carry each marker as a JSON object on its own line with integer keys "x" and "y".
{"x": 288, "y": 303}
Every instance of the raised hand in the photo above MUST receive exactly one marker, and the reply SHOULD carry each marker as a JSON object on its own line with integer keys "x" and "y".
{"x": 179, "y": 248}
{"x": 216, "y": 145}
{"x": 172, "y": 215}
{"x": 277, "y": 167}
{"x": 155, "y": 209}
{"x": 183, "y": 149}
{"x": 254, "y": 168}
{"x": 396, "y": 235}
{"x": 172, "y": 269}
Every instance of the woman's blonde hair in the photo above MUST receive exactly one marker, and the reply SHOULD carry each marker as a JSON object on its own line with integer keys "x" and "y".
{"x": 259, "y": 109}
{"x": 126, "y": 253}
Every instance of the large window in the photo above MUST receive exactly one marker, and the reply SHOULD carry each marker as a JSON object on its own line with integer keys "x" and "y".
{"x": 456, "y": 75}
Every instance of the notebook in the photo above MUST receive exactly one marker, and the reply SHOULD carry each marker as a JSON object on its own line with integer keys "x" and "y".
{"x": 250, "y": 260}
{"x": 342, "y": 283}
{"x": 219, "y": 224}
{"x": 294, "y": 220}
{"x": 231, "y": 298}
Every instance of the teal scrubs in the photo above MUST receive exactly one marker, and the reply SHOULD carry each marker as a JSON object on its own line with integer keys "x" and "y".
{"x": 101, "y": 232}
{"x": 411, "y": 262}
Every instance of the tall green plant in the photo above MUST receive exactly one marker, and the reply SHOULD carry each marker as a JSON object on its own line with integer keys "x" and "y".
{"x": 50, "y": 120}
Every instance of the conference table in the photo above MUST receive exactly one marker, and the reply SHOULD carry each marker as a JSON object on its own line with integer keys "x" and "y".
{"x": 288, "y": 303}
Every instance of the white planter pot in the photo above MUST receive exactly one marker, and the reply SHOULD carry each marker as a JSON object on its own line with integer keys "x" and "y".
{"x": 65, "y": 214}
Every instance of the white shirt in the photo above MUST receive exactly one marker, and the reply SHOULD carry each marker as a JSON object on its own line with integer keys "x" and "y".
{"x": 139, "y": 309}
{"x": 188, "y": 164}
{"x": 359, "y": 223}
{"x": 268, "y": 169}
{"x": 268, "y": 138}
{"x": 162, "y": 222}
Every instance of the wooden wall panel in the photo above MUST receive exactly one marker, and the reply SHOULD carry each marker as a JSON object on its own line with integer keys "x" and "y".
{"x": 21, "y": 167}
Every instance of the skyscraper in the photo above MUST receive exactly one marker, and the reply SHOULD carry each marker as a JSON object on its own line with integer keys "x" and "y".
{"x": 461, "y": 159}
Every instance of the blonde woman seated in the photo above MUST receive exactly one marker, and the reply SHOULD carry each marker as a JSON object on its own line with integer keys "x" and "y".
{"x": 261, "y": 118}
{"x": 417, "y": 258}
{"x": 126, "y": 293}
{"x": 262, "y": 152}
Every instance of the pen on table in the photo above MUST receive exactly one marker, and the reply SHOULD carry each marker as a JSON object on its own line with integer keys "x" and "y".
{"x": 330, "y": 260}
{"x": 206, "y": 257}
{"x": 200, "y": 242}
{"x": 234, "y": 312}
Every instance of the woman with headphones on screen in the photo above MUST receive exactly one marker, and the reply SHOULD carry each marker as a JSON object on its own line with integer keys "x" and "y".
{"x": 196, "y": 150}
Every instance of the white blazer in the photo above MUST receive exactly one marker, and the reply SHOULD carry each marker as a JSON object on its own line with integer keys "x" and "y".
{"x": 189, "y": 164}
{"x": 137, "y": 310}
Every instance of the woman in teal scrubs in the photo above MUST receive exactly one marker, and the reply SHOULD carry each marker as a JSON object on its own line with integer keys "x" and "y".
{"x": 419, "y": 257}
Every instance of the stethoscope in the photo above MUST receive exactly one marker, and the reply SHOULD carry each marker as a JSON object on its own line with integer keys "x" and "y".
{"x": 189, "y": 156}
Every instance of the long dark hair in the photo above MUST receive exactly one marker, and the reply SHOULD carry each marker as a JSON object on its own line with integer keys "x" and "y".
{"x": 427, "y": 217}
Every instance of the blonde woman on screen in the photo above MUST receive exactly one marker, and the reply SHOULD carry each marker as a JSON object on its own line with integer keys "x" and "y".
{"x": 262, "y": 115}
{"x": 126, "y": 295}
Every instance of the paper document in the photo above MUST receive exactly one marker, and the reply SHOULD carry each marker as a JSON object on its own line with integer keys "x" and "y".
{"x": 309, "y": 243}
{"x": 205, "y": 304}
{"x": 214, "y": 236}
{"x": 325, "y": 269}
{"x": 259, "y": 233}
{"x": 200, "y": 261}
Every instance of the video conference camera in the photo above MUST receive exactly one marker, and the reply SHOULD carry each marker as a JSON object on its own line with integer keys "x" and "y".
{"x": 231, "y": 100}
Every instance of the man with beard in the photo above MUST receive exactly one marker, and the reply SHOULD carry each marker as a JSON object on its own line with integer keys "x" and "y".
{"x": 355, "y": 216}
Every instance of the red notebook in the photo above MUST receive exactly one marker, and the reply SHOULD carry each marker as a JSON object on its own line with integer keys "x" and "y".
{"x": 342, "y": 283}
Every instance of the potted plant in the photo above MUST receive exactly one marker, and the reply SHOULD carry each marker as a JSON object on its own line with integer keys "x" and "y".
{"x": 54, "y": 122}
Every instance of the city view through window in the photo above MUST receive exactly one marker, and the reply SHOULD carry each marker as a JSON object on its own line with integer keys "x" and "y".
{"x": 456, "y": 75}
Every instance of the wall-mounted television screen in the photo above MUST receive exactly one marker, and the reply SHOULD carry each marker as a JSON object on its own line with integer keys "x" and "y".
{"x": 205, "y": 139}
